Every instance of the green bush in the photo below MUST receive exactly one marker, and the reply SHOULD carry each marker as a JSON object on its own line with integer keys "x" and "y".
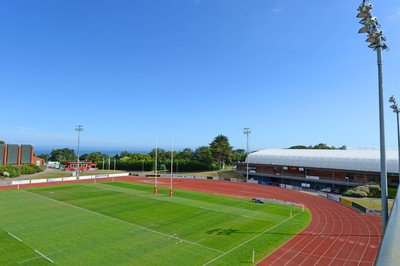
{"x": 373, "y": 191}
{"x": 16, "y": 171}
{"x": 355, "y": 193}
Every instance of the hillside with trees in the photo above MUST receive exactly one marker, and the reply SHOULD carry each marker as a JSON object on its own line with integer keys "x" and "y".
{"x": 214, "y": 156}
{"x": 320, "y": 146}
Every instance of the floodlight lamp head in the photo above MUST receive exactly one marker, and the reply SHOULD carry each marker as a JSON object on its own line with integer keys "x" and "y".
{"x": 369, "y": 21}
{"x": 371, "y": 40}
{"x": 373, "y": 45}
{"x": 376, "y": 33}
{"x": 364, "y": 29}
{"x": 365, "y": 7}
{"x": 392, "y": 100}
{"x": 363, "y": 15}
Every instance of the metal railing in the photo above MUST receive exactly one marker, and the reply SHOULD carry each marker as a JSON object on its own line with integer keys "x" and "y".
{"x": 389, "y": 251}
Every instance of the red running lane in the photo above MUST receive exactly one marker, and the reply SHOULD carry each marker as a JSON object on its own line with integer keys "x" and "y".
{"x": 337, "y": 235}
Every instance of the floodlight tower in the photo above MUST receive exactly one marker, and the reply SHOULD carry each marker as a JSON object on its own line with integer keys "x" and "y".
{"x": 78, "y": 128}
{"x": 155, "y": 166}
{"x": 247, "y": 131}
{"x": 377, "y": 42}
{"x": 396, "y": 110}
{"x": 172, "y": 169}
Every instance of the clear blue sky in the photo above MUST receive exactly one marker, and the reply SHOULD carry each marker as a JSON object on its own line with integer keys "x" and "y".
{"x": 295, "y": 72}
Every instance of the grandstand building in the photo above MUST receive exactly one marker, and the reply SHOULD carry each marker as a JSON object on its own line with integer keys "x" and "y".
{"x": 14, "y": 154}
{"x": 319, "y": 169}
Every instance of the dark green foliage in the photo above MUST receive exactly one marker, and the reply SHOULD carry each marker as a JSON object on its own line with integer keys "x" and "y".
{"x": 372, "y": 191}
{"x": 320, "y": 146}
{"x": 62, "y": 155}
{"x": 44, "y": 156}
{"x": 204, "y": 155}
{"x": 16, "y": 171}
{"x": 221, "y": 150}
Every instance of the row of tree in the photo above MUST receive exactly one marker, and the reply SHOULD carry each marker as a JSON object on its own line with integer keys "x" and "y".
{"x": 214, "y": 156}
{"x": 320, "y": 146}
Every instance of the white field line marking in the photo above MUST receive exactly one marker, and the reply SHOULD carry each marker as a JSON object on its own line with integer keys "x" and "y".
{"x": 255, "y": 218}
{"x": 147, "y": 226}
{"x": 209, "y": 209}
{"x": 191, "y": 244}
{"x": 34, "y": 258}
{"x": 14, "y": 237}
{"x": 254, "y": 237}
{"x": 44, "y": 256}
{"x": 121, "y": 221}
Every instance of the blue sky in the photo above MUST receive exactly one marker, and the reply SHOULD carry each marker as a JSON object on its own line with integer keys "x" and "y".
{"x": 131, "y": 72}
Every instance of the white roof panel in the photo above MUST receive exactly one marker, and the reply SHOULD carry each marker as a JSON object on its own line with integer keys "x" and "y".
{"x": 356, "y": 160}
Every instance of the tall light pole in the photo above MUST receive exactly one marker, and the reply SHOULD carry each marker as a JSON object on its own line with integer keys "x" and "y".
{"x": 377, "y": 42}
{"x": 395, "y": 108}
{"x": 155, "y": 162}
{"x": 78, "y": 128}
{"x": 247, "y": 131}
{"x": 172, "y": 168}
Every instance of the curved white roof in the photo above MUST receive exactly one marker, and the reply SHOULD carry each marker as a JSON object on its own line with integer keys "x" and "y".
{"x": 356, "y": 160}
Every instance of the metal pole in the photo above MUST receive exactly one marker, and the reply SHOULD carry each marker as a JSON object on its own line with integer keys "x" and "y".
{"x": 78, "y": 128}
{"x": 247, "y": 131}
{"x": 247, "y": 172}
{"x": 155, "y": 180}
{"x": 398, "y": 140}
{"x": 384, "y": 193}
{"x": 172, "y": 168}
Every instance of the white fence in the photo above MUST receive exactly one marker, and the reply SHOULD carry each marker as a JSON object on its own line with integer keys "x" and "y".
{"x": 70, "y": 178}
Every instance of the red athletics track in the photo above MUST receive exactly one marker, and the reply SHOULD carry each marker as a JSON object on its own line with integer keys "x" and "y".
{"x": 337, "y": 235}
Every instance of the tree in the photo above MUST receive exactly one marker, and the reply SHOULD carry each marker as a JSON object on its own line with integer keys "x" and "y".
{"x": 62, "y": 155}
{"x": 239, "y": 155}
{"x": 323, "y": 146}
{"x": 124, "y": 154}
{"x": 204, "y": 155}
{"x": 221, "y": 150}
{"x": 161, "y": 154}
{"x": 185, "y": 154}
{"x": 2, "y": 142}
{"x": 320, "y": 146}
{"x": 140, "y": 157}
{"x": 95, "y": 157}
{"x": 44, "y": 156}
{"x": 301, "y": 147}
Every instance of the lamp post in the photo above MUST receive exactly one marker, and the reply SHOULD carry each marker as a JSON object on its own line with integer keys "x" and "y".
{"x": 247, "y": 131}
{"x": 396, "y": 110}
{"x": 377, "y": 42}
{"x": 142, "y": 165}
{"x": 78, "y": 128}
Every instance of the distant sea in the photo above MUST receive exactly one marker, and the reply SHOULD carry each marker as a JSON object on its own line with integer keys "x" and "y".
{"x": 110, "y": 152}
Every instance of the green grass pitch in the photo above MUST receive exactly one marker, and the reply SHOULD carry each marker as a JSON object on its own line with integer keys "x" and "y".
{"x": 121, "y": 223}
